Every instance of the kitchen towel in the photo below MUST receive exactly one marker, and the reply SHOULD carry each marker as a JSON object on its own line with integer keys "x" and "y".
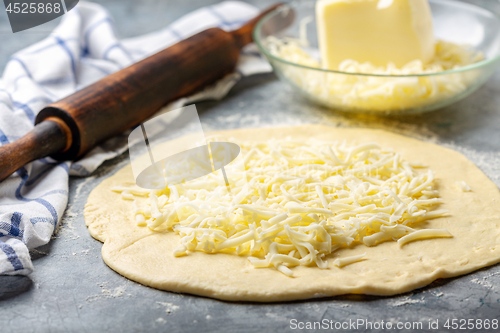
{"x": 81, "y": 50}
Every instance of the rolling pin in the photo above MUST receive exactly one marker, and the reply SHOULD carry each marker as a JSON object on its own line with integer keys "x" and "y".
{"x": 69, "y": 128}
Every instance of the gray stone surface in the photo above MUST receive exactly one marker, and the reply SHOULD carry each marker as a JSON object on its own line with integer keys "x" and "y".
{"x": 73, "y": 290}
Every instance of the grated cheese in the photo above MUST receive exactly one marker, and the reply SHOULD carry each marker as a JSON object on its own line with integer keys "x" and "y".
{"x": 424, "y": 234}
{"x": 294, "y": 203}
{"x": 464, "y": 186}
{"x": 341, "y": 262}
{"x": 383, "y": 94}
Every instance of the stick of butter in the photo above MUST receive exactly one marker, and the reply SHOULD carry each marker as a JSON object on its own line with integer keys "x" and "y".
{"x": 375, "y": 31}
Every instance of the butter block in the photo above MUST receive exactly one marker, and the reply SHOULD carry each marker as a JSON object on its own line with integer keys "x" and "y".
{"x": 375, "y": 31}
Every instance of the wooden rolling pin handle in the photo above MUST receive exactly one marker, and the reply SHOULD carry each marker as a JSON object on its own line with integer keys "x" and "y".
{"x": 51, "y": 136}
{"x": 243, "y": 35}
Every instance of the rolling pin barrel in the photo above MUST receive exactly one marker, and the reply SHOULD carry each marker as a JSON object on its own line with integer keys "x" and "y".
{"x": 128, "y": 97}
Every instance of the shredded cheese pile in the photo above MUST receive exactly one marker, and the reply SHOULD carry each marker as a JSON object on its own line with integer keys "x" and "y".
{"x": 293, "y": 203}
{"x": 383, "y": 94}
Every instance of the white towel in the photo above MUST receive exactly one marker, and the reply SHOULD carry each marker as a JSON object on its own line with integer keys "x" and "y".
{"x": 80, "y": 51}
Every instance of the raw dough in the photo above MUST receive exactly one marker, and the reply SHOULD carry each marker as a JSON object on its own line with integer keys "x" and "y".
{"x": 146, "y": 256}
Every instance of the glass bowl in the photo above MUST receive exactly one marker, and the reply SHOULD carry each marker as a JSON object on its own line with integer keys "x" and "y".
{"x": 454, "y": 21}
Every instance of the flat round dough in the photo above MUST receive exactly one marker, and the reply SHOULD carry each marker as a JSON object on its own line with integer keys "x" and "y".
{"x": 146, "y": 256}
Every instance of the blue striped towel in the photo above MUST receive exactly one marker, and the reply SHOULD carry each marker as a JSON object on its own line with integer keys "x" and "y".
{"x": 80, "y": 51}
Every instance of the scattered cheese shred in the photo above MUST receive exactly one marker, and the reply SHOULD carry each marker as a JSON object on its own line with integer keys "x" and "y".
{"x": 341, "y": 262}
{"x": 382, "y": 94}
{"x": 294, "y": 203}
{"x": 424, "y": 234}
{"x": 464, "y": 186}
